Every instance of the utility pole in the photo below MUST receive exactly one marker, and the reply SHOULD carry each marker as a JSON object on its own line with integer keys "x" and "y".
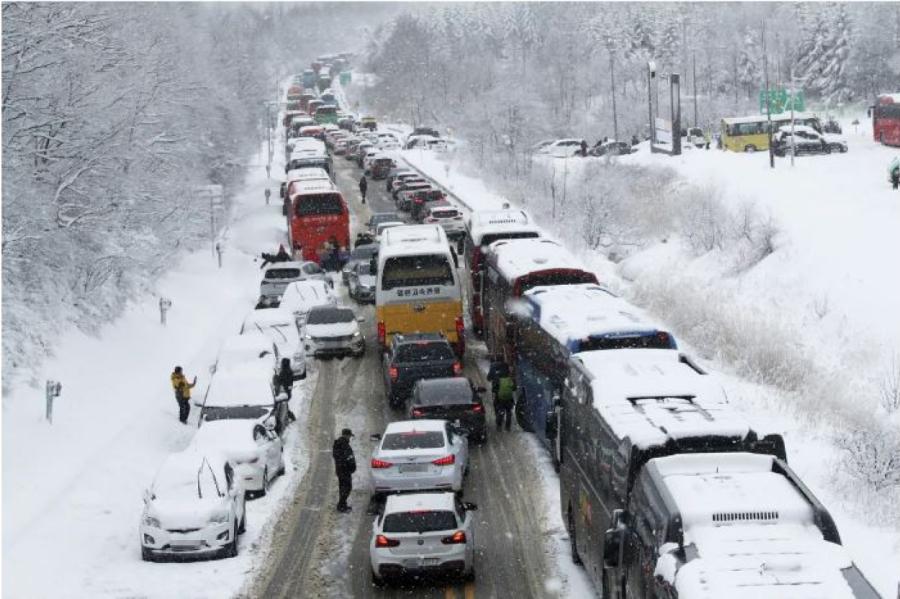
{"x": 675, "y": 109}
{"x": 612, "y": 77}
{"x": 768, "y": 110}
{"x": 651, "y": 73}
{"x": 694, "y": 81}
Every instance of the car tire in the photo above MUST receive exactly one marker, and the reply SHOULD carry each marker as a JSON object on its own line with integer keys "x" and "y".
{"x": 749, "y": 148}
{"x": 231, "y": 549}
{"x": 360, "y": 353}
{"x": 265, "y": 486}
{"x": 576, "y": 559}
{"x": 242, "y": 528}
{"x": 147, "y": 555}
{"x": 828, "y": 149}
{"x": 377, "y": 580}
{"x": 470, "y": 575}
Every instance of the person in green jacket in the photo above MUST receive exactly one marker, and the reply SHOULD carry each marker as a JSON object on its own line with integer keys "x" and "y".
{"x": 504, "y": 400}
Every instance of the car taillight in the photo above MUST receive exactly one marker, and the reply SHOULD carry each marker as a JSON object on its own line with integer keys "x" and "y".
{"x": 460, "y": 326}
{"x": 382, "y": 335}
{"x": 418, "y": 413}
{"x": 380, "y": 464}
{"x": 382, "y": 541}
{"x": 454, "y": 539}
{"x": 477, "y": 408}
{"x": 445, "y": 461}
{"x": 457, "y": 368}
{"x": 419, "y": 201}
{"x": 393, "y": 373}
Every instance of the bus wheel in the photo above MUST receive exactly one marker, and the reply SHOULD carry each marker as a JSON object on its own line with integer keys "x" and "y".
{"x": 750, "y": 148}
{"x": 576, "y": 559}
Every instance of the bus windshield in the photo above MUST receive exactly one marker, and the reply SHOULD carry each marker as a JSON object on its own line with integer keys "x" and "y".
{"x": 409, "y": 271}
{"x": 319, "y": 204}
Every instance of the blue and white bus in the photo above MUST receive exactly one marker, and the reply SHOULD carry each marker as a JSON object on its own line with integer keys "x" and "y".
{"x": 554, "y": 322}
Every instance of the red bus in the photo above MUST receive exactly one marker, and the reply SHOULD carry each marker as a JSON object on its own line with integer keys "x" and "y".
{"x": 484, "y": 228}
{"x": 318, "y": 214}
{"x": 512, "y": 267}
{"x": 886, "y": 119}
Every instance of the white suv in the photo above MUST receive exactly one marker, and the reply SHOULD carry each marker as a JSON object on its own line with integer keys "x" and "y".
{"x": 417, "y": 455}
{"x": 423, "y": 533}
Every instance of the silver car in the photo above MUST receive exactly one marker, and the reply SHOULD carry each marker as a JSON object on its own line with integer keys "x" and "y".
{"x": 361, "y": 282}
{"x": 276, "y": 278}
{"x": 423, "y": 533}
{"x": 333, "y": 331}
{"x": 416, "y": 455}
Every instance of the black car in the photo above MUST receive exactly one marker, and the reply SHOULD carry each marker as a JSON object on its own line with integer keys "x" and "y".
{"x": 454, "y": 399}
{"x": 410, "y": 358}
{"x": 382, "y": 217}
{"x": 425, "y": 131}
{"x": 613, "y": 148}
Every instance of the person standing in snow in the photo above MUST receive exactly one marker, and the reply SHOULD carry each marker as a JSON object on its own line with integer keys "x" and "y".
{"x": 344, "y": 467}
{"x": 895, "y": 173}
{"x": 363, "y": 186}
{"x": 584, "y": 148}
{"x": 182, "y": 393}
{"x": 504, "y": 401}
{"x": 283, "y": 380}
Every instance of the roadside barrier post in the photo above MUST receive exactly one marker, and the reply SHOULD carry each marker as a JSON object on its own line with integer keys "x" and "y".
{"x": 219, "y": 250}
{"x": 164, "y": 305}
{"x": 54, "y": 388}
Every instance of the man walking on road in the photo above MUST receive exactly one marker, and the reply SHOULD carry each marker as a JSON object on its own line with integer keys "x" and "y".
{"x": 344, "y": 467}
{"x": 363, "y": 186}
{"x": 182, "y": 393}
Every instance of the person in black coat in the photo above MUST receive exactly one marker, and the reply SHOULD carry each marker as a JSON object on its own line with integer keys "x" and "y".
{"x": 344, "y": 467}
{"x": 363, "y": 186}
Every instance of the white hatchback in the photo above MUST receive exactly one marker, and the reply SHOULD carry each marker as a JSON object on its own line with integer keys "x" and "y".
{"x": 423, "y": 534}
{"x": 416, "y": 455}
{"x": 257, "y": 452}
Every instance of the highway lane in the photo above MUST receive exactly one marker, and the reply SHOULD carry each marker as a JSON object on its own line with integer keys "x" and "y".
{"x": 320, "y": 553}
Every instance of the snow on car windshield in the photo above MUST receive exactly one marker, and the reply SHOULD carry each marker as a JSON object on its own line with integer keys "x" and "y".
{"x": 283, "y": 273}
{"x": 413, "y": 440}
{"x": 330, "y": 315}
{"x": 424, "y": 352}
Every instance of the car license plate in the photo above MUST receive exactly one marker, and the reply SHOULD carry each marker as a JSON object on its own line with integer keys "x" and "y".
{"x": 404, "y": 468}
{"x": 432, "y": 561}
{"x": 412, "y": 562}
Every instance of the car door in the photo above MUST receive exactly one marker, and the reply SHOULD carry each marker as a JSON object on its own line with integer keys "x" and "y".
{"x": 274, "y": 452}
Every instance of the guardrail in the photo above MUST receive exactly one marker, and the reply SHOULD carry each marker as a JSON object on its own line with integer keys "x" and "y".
{"x": 447, "y": 192}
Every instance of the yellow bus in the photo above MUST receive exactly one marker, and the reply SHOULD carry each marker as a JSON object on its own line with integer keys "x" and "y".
{"x": 749, "y": 133}
{"x": 418, "y": 287}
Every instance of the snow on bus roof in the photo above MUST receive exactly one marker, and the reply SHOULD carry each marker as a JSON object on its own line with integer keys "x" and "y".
{"x": 782, "y": 116}
{"x": 485, "y": 222}
{"x": 754, "y": 532}
{"x": 413, "y": 238}
{"x": 573, "y": 312}
{"x": 653, "y": 396}
{"x": 517, "y": 257}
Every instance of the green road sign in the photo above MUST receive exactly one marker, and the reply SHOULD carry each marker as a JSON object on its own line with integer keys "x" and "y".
{"x": 780, "y": 100}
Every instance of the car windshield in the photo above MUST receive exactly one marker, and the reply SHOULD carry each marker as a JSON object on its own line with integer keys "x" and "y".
{"x": 449, "y": 213}
{"x": 413, "y": 440}
{"x": 425, "y": 351}
{"x": 283, "y": 273}
{"x": 234, "y": 413}
{"x": 319, "y": 205}
{"x": 408, "y": 271}
{"x": 444, "y": 393}
{"x": 363, "y": 252}
{"x": 419, "y": 521}
{"x": 386, "y": 217}
{"x": 364, "y": 268}
{"x": 330, "y": 315}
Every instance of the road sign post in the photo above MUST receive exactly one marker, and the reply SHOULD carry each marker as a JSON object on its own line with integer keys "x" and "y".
{"x": 53, "y": 390}
{"x": 164, "y": 305}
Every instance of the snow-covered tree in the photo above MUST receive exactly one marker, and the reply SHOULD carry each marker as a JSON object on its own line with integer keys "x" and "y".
{"x": 749, "y": 71}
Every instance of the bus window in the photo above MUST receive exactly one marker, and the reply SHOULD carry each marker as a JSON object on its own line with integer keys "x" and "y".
{"x": 407, "y": 271}
{"x": 320, "y": 204}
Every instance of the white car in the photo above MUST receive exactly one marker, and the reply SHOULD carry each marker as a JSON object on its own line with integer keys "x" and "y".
{"x": 277, "y": 276}
{"x": 244, "y": 394}
{"x": 333, "y": 331}
{"x": 369, "y": 157}
{"x": 423, "y": 533}
{"x": 256, "y": 452}
{"x": 562, "y": 148}
{"x": 382, "y": 227}
{"x": 280, "y": 326}
{"x": 445, "y": 214}
{"x": 195, "y": 507}
{"x": 302, "y": 296}
{"x": 239, "y": 350}
{"x": 416, "y": 455}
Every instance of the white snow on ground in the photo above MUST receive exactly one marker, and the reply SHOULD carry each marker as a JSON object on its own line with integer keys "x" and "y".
{"x": 833, "y": 279}
{"x": 72, "y": 490}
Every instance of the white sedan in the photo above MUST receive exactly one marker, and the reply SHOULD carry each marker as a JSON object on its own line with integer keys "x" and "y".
{"x": 423, "y": 533}
{"x": 415, "y": 455}
{"x": 302, "y": 296}
{"x": 195, "y": 507}
{"x": 257, "y": 452}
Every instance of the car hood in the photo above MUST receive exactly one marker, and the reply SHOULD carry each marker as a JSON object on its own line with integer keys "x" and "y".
{"x": 337, "y": 329}
{"x": 176, "y": 513}
{"x": 834, "y": 138}
{"x": 367, "y": 280}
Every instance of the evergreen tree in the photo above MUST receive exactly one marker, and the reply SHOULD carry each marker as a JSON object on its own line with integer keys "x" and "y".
{"x": 748, "y": 67}
{"x": 832, "y": 81}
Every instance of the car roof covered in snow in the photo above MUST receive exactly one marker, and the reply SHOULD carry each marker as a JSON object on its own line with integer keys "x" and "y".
{"x": 312, "y": 187}
{"x": 226, "y": 436}
{"x": 483, "y": 222}
{"x": 267, "y": 318}
{"x": 410, "y": 502}
{"x": 654, "y": 396}
{"x": 308, "y": 293}
{"x": 517, "y": 257}
{"x": 754, "y": 533}
{"x": 305, "y": 174}
{"x": 249, "y": 385}
{"x": 249, "y": 342}
{"x": 570, "y": 313}
{"x": 180, "y": 470}
{"x": 408, "y": 426}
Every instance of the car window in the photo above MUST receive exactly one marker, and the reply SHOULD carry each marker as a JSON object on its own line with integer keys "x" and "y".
{"x": 413, "y": 440}
{"x": 444, "y": 393}
{"x": 312, "y": 268}
{"x": 419, "y": 521}
{"x": 424, "y": 351}
{"x": 282, "y": 273}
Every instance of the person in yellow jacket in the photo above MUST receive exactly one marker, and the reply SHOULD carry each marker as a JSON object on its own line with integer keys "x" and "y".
{"x": 182, "y": 393}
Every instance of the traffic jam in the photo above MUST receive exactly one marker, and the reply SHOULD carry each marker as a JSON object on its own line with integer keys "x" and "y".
{"x": 483, "y": 323}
